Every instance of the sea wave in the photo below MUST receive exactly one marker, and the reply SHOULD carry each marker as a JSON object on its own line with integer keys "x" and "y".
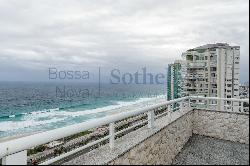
{"x": 55, "y": 115}
{"x": 29, "y": 113}
{"x": 15, "y": 125}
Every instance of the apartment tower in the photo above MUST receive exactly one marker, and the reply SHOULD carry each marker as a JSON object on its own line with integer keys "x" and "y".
{"x": 211, "y": 70}
{"x": 176, "y": 75}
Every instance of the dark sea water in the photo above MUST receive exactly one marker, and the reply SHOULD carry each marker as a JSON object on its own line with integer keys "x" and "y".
{"x": 27, "y": 107}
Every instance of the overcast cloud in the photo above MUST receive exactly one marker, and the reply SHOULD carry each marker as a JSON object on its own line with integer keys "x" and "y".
{"x": 127, "y": 34}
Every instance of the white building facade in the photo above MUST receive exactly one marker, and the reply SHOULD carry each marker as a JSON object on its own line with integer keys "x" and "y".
{"x": 213, "y": 70}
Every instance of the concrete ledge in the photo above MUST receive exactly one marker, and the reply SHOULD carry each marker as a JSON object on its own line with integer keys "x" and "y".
{"x": 161, "y": 144}
{"x": 223, "y": 125}
{"x": 160, "y": 148}
{"x": 104, "y": 155}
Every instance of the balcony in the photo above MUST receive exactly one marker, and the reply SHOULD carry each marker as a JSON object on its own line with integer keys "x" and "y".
{"x": 213, "y": 64}
{"x": 163, "y": 133}
{"x": 197, "y": 65}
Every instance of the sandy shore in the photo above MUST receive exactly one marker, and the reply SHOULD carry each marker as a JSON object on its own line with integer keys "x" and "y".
{"x": 110, "y": 112}
{"x": 5, "y": 139}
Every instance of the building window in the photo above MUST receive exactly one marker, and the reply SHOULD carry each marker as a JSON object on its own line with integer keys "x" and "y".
{"x": 213, "y": 68}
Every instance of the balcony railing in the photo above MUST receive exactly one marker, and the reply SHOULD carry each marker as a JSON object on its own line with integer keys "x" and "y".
{"x": 197, "y": 65}
{"x": 15, "y": 151}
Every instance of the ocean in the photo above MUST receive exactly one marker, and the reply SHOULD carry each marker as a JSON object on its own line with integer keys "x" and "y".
{"x": 30, "y": 107}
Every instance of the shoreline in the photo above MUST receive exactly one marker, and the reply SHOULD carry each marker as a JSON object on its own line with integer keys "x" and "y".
{"x": 120, "y": 109}
{"x": 9, "y": 138}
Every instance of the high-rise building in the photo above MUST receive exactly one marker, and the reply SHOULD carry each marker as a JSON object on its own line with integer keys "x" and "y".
{"x": 175, "y": 84}
{"x": 213, "y": 70}
{"x": 244, "y": 91}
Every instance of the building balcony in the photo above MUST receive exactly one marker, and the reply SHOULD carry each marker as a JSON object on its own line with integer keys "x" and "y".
{"x": 196, "y": 65}
{"x": 180, "y": 131}
{"x": 213, "y": 64}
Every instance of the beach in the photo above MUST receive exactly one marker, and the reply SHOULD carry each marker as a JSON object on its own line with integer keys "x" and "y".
{"x": 56, "y": 118}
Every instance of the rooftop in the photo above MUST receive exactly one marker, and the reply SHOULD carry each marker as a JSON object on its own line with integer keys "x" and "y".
{"x": 201, "y": 150}
{"x": 179, "y": 131}
{"x": 217, "y": 45}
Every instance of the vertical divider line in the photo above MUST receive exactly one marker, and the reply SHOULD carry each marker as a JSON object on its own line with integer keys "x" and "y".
{"x": 99, "y": 82}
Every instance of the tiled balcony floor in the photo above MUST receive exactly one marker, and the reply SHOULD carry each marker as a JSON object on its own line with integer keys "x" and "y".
{"x": 201, "y": 150}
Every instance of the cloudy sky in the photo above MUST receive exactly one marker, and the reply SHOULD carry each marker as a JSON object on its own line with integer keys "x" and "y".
{"x": 126, "y": 34}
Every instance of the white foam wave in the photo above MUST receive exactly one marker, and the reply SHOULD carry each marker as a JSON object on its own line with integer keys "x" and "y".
{"x": 54, "y": 115}
{"x": 15, "y": 125}
{"x": 110, "y": 109}
{"x": 55, "y": 109}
